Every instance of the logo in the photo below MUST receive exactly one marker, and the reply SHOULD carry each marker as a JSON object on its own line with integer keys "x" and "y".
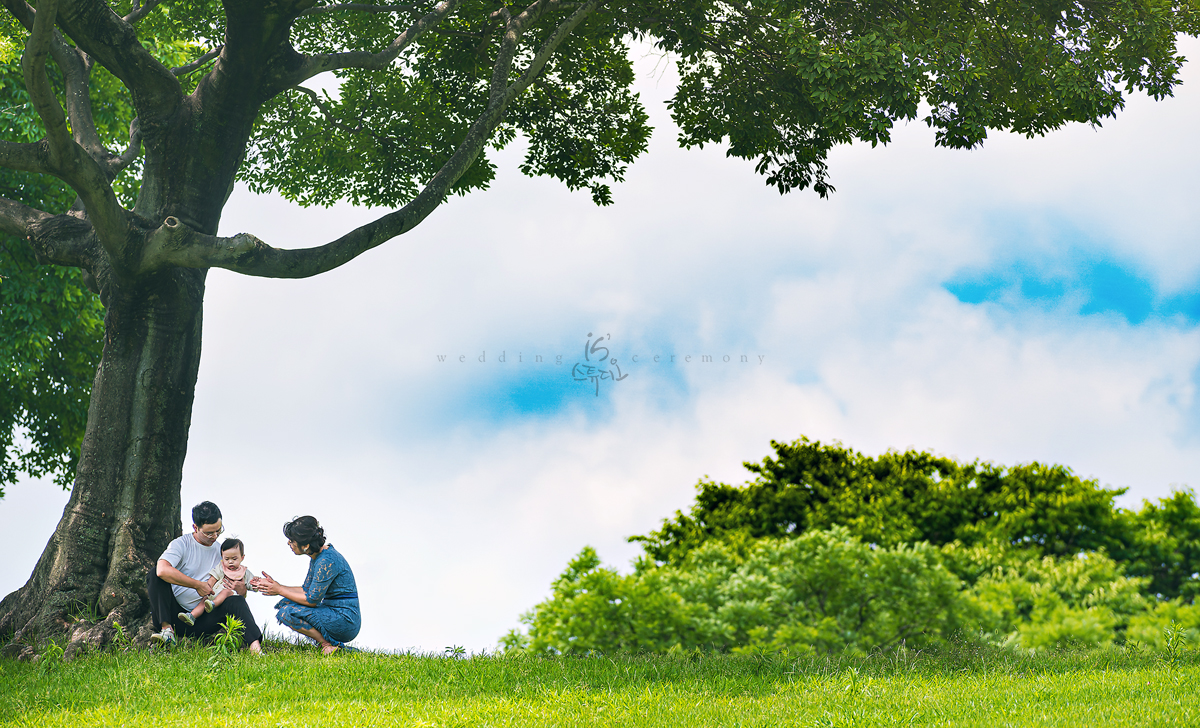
{"x": 596, "y": 365}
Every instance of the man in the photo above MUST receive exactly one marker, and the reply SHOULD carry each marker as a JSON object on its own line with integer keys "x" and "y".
{"x": 177, "y": 584}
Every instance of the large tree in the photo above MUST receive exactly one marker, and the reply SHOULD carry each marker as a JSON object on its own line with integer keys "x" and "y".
{"x": 419, "y": 93}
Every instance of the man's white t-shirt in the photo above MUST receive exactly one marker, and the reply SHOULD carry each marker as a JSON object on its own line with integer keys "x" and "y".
{"x": 195, "y": 561}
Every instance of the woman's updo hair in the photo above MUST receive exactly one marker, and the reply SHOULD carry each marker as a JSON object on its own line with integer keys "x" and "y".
{"x": 306, "y": 532}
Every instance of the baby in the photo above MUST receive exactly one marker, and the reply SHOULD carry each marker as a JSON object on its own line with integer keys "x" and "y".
{"x": 232, "y": 553}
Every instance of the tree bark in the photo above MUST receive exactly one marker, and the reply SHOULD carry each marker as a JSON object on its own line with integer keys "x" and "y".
{"x": 125, "y": 505}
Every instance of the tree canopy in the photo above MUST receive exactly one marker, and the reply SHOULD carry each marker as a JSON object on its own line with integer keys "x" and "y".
{"x": 780, "y": 82}
{"x": 913, "y": 496}
{"x": 783, "y": 82}
{"x": 897, "y": 497}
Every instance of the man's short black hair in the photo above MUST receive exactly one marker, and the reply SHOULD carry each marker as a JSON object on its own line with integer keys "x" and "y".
{"x": 205, "y": 513}
{"x": 233, "y": 543}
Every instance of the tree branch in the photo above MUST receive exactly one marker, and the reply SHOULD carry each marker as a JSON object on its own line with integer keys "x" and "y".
{"x": 20, "y": 10}
{"x": 373, "y": 61}
{"x": 37, "y": 83}
{"x": 188, "y": 68}
{"x": 550, "y": 45}
{"x": 57, "y": 239}
{"x": 65, "y": 158}
{"x": 112, "y": 41}
{"x": 140, "y": 11}
{"x": 176, "y": 244}
{"x": 16, "y": 218}
{"x": 75, "y": 68}
{"x": 118, "y": 163}
{"x": 362, "y": 8}
{"x": 26, "y": 157}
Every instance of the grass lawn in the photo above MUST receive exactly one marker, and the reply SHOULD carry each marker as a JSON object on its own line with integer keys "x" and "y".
{"x": 298, "y": 687}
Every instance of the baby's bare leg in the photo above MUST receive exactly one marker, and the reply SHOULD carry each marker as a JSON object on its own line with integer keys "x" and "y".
{"x": 199, "y": 609}
{"x": 220, "y": 598}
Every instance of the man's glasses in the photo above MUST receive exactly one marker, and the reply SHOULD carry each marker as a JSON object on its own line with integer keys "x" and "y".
{"x": 206, "y": 534}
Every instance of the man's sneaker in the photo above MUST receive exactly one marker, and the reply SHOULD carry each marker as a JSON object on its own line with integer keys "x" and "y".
{"x": 186, "y": 618}
{"x": 208, "y": 605}
{"x": 165, "y": 638}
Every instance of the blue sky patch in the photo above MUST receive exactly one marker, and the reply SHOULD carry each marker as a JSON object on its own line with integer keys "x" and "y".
{"x": 486, "y": 393}
{"x": 537, "y": 393}
{"x": 1110, "y": 287}
{"x": 494, "y": 393}
{"x": 1085, "y": 282}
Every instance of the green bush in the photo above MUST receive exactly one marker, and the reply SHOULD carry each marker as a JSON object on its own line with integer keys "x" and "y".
{"x": 824, "y": 591}
{"x": 829, "y": 549}
{"x": 1036, "y": 602}
{"x": 1152, "y": 627}
{"x": 1162, "y": 543}
{"x": 827, "y": 591}
{"x": 597, "y": 609}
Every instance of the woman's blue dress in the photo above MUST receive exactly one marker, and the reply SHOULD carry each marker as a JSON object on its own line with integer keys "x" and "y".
{"x": 330, "y": 586}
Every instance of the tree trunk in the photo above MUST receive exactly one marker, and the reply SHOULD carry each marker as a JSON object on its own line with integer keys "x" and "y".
{"x": 125, "y": 505}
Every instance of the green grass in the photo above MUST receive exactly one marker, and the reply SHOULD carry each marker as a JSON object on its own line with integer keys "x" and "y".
{"x": 297, "y": 687}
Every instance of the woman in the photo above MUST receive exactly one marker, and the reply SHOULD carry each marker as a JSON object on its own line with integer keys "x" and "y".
{"x": 325, "y": 609}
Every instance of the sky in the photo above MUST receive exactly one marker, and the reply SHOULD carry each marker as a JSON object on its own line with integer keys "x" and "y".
{"x": 1032, "y": 300}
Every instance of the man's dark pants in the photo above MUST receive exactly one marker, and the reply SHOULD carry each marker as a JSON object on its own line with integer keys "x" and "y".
{"x": 165, "y": 608}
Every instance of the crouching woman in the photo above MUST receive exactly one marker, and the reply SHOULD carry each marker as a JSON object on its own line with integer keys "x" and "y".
{"x": 325, "y": 608}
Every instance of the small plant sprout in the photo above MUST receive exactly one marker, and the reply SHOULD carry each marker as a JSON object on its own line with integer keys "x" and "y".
{"x": 1174, "y": 637}
{"x": 227, "y": 641}
{"x": 51, "y": 658}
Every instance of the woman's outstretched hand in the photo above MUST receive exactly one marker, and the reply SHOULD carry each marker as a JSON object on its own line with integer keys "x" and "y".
{"x": 266, "y": 584}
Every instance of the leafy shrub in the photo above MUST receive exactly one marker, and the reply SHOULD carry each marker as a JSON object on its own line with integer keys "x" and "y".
{"x": 823, "y": 591}
{"x": 1029, "y": 601}
{"x": 827, "y": 591}
{"x": 1151, "y": 626}
{"x": 1163, "y": 543}
{"x": 594, "y": 608}
{"x": 829, "y": 549}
